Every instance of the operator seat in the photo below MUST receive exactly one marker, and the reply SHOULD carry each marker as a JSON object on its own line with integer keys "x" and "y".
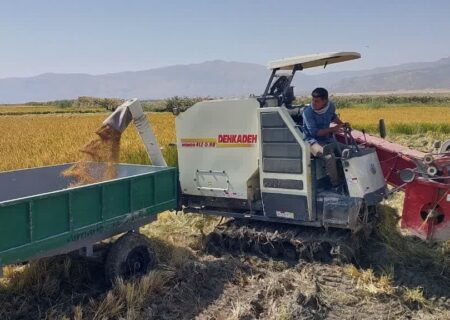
{"x": 296, "y": 114}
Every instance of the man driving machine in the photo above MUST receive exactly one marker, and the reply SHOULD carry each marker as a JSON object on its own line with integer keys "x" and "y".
{"x": 317, "y": 118}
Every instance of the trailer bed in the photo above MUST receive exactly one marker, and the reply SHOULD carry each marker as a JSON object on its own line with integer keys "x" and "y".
{"x": 41, "y": 215}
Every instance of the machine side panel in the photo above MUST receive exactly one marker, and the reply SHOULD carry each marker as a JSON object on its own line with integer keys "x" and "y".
{"x": 282, "y": 165}
{"x": 287, "y": 206}
{"x": 285, "y": 173}
{"x": 364, "y": 176}
{"x": 280, "y": 149}
{"x": 218, "y": 144}
{"x": 283, "y": 183}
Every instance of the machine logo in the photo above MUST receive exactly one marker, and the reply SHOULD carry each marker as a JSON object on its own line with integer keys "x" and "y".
{"x": 222, "y": 141}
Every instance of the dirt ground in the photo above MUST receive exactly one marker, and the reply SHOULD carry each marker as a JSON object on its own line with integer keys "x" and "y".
{"x": 248, "y": 287}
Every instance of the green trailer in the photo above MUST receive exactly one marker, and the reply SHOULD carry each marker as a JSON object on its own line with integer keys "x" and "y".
{"x": 41, "y": 215}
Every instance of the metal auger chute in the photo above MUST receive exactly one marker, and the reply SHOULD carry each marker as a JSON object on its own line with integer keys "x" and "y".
{"x": 131, "y": 110}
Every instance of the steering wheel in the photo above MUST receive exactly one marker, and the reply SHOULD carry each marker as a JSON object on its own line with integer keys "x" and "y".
{"x": 279, "y": 86}
{"x": 349, "y": 140}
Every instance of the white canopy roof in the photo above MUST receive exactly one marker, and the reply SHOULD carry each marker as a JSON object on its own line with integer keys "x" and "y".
{"x": 313, "y": 60}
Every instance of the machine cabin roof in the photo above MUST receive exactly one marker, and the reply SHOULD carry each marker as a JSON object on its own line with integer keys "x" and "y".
{"x": 313, "y": 60}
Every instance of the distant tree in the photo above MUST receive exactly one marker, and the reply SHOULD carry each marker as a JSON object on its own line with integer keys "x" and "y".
{"x": 93, "y": 102}
{"x": 183, "y": 103}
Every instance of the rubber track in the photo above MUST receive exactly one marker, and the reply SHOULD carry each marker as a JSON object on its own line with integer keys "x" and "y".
{"x": 283, "y": 241}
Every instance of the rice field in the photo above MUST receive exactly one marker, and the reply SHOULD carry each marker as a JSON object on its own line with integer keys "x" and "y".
{"x": 18, "y": 110}
{"x": 39, "y": 140}
{"x": 30, "y": 141}
{"x": 400, "y": 119}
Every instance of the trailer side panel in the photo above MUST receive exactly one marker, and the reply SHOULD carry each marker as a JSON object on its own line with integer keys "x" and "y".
{"x": 62, "y": 221}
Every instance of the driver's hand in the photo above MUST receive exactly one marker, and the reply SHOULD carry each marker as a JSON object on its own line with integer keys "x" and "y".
{"x": 338, "y": 127}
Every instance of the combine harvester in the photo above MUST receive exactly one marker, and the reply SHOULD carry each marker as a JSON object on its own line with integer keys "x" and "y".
{"x": 246, "y": 159}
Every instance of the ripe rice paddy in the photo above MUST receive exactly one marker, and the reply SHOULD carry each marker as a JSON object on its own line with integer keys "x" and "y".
{"x": 38, "y": 140}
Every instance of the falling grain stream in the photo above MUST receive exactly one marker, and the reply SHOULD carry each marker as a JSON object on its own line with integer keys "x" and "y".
{"x": 105, "y": 148}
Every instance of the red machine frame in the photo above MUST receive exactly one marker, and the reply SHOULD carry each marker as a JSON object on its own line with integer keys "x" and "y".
{"x": 426, "y": 207}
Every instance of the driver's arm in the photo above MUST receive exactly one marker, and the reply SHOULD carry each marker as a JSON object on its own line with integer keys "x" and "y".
{"x": 327, "y": 131}
{"x": 338, "y": 121}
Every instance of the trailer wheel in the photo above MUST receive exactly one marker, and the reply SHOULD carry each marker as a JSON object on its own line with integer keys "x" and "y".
{"x": 131, "y": 255}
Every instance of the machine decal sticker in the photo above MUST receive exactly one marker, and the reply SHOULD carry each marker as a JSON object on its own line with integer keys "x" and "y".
{"x": 222, "y": 141}
{"x": 237, "y": 138}
{"x": 285, "y": 214}
{"x": 353, "y": 180}
{"x": 198, "y": 142}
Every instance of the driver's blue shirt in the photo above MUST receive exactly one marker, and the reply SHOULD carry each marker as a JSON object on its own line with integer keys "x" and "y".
{"x": 313, "y": 122}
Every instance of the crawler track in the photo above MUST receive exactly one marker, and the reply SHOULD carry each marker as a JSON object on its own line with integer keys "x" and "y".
{"x": 282, "y": 241}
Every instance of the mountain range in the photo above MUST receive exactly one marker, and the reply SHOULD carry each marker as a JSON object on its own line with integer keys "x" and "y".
{"x": 219, "y": 79}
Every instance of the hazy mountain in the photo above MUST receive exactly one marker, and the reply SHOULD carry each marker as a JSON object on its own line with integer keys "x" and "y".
{"x": 418, "y": 76}
{"x": 218, "y": 79}
{"x": 213, "y": 78}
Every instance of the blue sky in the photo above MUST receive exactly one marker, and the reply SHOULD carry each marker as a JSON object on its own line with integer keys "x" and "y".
{"x": 102, "y": 36}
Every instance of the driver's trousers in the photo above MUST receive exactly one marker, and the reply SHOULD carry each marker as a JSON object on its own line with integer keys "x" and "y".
{"x": 328, "y": 152}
